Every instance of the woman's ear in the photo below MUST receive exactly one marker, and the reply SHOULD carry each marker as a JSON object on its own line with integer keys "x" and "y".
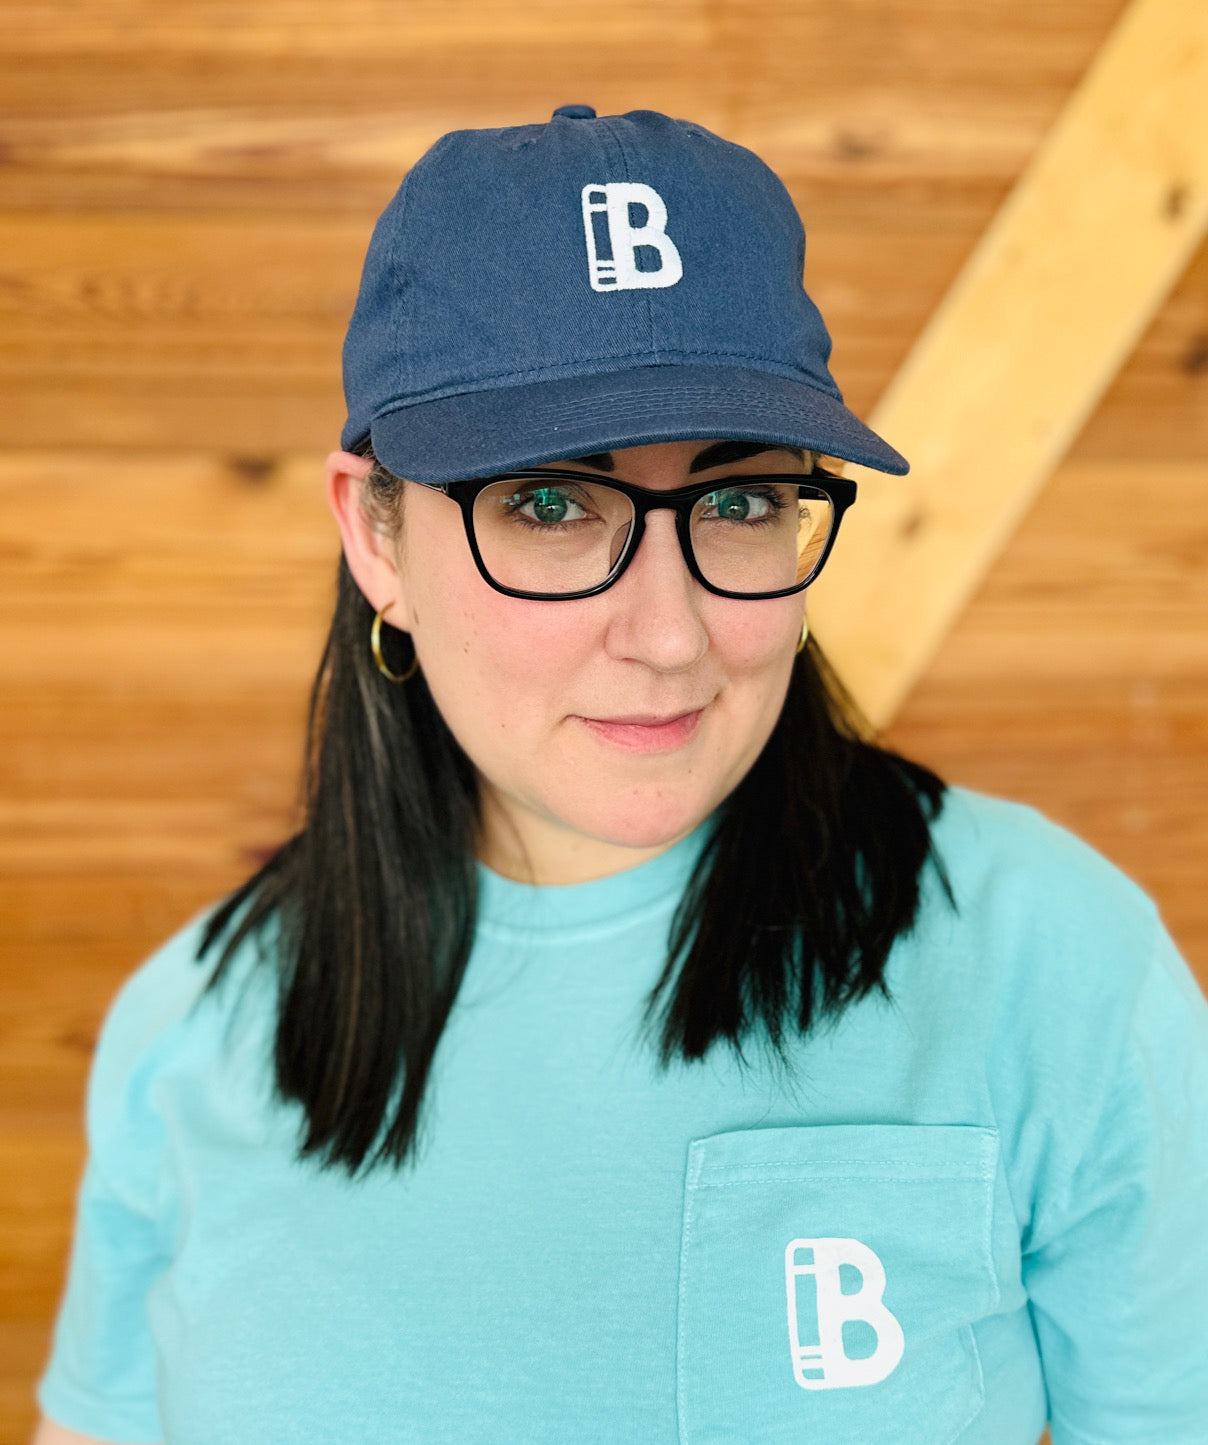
{"x": 368, "y": 550}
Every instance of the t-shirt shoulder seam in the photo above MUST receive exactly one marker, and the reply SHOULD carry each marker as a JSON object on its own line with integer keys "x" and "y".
{"x": 1125, "y": 1052}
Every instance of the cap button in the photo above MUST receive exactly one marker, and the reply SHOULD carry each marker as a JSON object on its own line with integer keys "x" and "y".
{"x": 576, "y": 112}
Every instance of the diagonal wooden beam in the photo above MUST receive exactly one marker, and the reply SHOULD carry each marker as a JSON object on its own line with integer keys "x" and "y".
{"x": 1016, "y": 356}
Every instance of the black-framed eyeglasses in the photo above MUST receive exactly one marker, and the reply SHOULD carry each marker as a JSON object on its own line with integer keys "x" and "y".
{"x": 553, "y": 534}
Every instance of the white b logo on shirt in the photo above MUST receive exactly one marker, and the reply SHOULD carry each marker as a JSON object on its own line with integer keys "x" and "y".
{"x": 826, "y": 1365}
{"x": 618, "y": 271}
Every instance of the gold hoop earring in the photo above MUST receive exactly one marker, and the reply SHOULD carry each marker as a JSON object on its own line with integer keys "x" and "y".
{"x": 805, "y": 632}
{"x": 375, "y": 645}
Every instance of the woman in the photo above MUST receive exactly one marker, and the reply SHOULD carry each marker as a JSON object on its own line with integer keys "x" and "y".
{"x": 771, "y": 1088}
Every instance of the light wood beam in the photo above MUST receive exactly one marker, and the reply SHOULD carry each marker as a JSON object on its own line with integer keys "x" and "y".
{"x": 1038, "y": 322}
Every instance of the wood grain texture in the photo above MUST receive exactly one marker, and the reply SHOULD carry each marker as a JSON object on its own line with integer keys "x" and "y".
{"x": 1077, "y": 678}
{"x": 186, "y": 191}
{"x": 1023, "y": 345}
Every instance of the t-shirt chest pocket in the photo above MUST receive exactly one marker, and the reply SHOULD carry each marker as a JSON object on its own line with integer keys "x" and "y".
{"x": 829, "y": 1279}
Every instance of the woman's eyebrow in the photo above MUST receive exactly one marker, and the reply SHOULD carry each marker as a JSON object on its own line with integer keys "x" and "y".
{"x": 715, "y": 456}
{"x": 722, "y": 452}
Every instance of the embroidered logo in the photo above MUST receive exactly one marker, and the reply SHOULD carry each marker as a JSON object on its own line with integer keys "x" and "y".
{"x": 820, "y": 1361}
{"x": 613, "y": 239}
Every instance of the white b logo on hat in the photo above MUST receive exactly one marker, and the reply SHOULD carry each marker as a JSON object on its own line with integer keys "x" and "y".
{"x": 617, "y": 271}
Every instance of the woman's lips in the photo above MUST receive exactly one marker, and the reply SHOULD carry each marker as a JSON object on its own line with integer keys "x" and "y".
{"x": 645, "y": 737}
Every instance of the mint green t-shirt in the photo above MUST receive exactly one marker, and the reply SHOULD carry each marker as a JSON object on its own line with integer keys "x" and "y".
{"x": 974, "y": 1208}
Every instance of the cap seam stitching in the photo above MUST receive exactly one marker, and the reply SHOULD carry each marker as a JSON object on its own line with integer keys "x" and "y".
{"x": 461, "y": 389}
{"x": 646, "y": 301}
{"x": 411, "y": 180}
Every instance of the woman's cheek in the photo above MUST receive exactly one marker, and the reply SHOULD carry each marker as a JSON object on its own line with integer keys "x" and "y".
{"x": 535, "y": 641}
{"x": 757, "y": 642}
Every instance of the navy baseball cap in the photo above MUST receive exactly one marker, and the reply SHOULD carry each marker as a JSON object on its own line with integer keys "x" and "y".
{"x": 538, "y": 292}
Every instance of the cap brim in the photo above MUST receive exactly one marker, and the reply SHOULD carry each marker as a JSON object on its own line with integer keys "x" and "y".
{"x": 478, "y": 433}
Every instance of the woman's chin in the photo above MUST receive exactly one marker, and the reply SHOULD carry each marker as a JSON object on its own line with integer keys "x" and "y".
{"x": 655, "y": 824}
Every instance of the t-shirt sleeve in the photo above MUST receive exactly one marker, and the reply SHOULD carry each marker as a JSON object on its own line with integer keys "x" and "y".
{"x": 100, "y": 1376}
{"x": 1116, "y": 1268}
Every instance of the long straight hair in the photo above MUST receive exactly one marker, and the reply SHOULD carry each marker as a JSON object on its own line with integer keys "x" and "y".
{"x": 812, "y": 871}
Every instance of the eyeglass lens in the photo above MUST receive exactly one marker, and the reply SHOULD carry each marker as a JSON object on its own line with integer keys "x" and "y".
{"x": 565, "y": 536}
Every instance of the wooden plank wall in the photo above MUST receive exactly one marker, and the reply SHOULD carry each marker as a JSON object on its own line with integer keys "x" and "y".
{"x": 185, "y": 196}
{"x": 1013, "y": 362}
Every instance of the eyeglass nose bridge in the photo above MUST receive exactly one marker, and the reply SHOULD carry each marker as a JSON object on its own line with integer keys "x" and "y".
{"x": 642, "y": 506}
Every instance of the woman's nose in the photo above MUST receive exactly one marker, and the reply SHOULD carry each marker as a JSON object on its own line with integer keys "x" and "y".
{"x": 656, "y": 602}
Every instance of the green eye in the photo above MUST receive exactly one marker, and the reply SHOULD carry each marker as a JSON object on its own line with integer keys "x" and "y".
{"x": 549, "y": 505}
{"x": 542, "y": 504}
{"x": 732, "y": 506}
